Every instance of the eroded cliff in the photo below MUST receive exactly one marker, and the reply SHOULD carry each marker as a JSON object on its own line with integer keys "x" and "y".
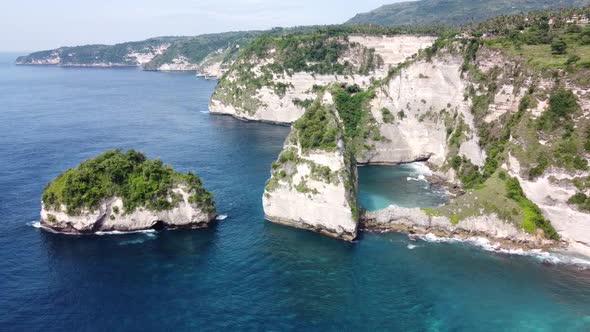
{"x": 313, "y": 182}
{"x": 274, "y": 79}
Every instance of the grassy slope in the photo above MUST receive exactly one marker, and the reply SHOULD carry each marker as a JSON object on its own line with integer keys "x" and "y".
{"x": 453, "y": 12}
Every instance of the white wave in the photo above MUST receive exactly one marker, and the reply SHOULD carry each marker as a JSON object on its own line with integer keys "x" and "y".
{"x": 420, "y": 168}
{"x": 148, "y": 232}
{"x": 418, "y": 178}
{"x": 551, "y": 257}
{"x": 411, "y": 246}
{"x": 204, "y": 112}
{"x": 144, "y": 231}
{"x": 138, "y": 240}
{"x": 221, "y": 217}
{"x": 37, "y": 224}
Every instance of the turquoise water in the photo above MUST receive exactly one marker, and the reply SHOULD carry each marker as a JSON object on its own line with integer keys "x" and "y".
{"x": 244, "y": 273}
{"x": 401, "y": 185}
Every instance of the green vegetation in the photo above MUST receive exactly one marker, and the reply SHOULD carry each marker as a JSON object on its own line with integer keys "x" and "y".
{"x": 562, "y": 105}
{"x": 387, "y": 116}
{"x": 305, "y": 104}
{"x": 500, "y": 195}
{"x": 139, "y": 182}
{"x": 581, "y": 200}
{"x": 489, "y": 198}
{"x": 317, "y": 128}
{"x": 543, "y": 39}
{"x": 532, "y": 216}
{"x": 316, "y": 50}
{"x": 558, "y": 46}
{"x": 360, "y": 127}
{"x": 563, "y": 129}
{"x": 195, "y": 49}
{"x": 351, "y": 104}
{"x": 452, "y": 12}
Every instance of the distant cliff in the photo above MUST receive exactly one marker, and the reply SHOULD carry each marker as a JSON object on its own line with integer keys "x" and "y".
{"x": 124, "y": 54}
{"x": 208, "y": 55}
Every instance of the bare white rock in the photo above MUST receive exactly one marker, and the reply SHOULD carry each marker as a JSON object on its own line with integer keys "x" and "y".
{"x": 105, "y": 219}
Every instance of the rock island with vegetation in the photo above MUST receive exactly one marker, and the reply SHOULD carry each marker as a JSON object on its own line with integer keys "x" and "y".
{"x": 125, "y": 191}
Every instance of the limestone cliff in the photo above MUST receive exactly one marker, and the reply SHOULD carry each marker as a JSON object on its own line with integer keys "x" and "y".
{"x": 416, "y": 107}
{"x": 313, "y": 183}
{"x": 272, "y": 82}
{"x": 481, "y": 116}
{"x": 110, "y": 215}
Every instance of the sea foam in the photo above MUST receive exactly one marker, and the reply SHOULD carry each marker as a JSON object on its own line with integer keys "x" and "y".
{"x": 551, "y": 257}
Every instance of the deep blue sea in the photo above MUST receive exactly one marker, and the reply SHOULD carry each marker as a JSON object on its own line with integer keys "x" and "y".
{"x": 244, "y": 273}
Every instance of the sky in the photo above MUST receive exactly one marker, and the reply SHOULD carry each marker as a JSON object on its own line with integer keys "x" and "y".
{"x": 29, "y": 25}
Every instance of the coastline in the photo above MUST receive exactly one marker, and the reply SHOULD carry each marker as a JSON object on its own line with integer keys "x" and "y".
{"x": 561, "y": 253}
{"x": 414, "y": 231}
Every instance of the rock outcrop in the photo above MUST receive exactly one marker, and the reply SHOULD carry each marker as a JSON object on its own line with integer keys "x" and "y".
{"x": 124, "y": 191}
{"x": 416, "y": 221}
{"x": 314, "y": 187}
{"x": 111, "y": 216}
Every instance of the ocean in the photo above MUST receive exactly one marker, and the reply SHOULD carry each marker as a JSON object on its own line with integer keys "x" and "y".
{"x": 243, "y": 273}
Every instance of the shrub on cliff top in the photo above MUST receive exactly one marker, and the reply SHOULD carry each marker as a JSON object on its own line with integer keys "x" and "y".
{"x": 128, "y": 175}
{"x": 316, "y": 129}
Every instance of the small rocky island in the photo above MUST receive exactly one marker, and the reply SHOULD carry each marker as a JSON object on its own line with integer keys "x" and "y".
{"x": 125, "y": 191}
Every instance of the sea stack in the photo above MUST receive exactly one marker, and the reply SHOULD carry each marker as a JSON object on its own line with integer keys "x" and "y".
{"x": 125, "y": 191}
{"x": 313, "y": 182}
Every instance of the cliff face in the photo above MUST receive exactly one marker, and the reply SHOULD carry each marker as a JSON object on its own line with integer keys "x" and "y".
{"x": 213, "y": 65}
{"x": 314, "y": 188}
{"x": 260, "y": 88}
{"x": 111, "y": 216}
{"x": 482, "y": 118}
{"x": 415, "y": 108}
{"x": 125, "y": 54}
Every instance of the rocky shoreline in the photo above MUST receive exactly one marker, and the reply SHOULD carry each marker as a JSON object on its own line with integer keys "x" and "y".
{"x": 340, "y": 234}
{"x": 416, "y": 222}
